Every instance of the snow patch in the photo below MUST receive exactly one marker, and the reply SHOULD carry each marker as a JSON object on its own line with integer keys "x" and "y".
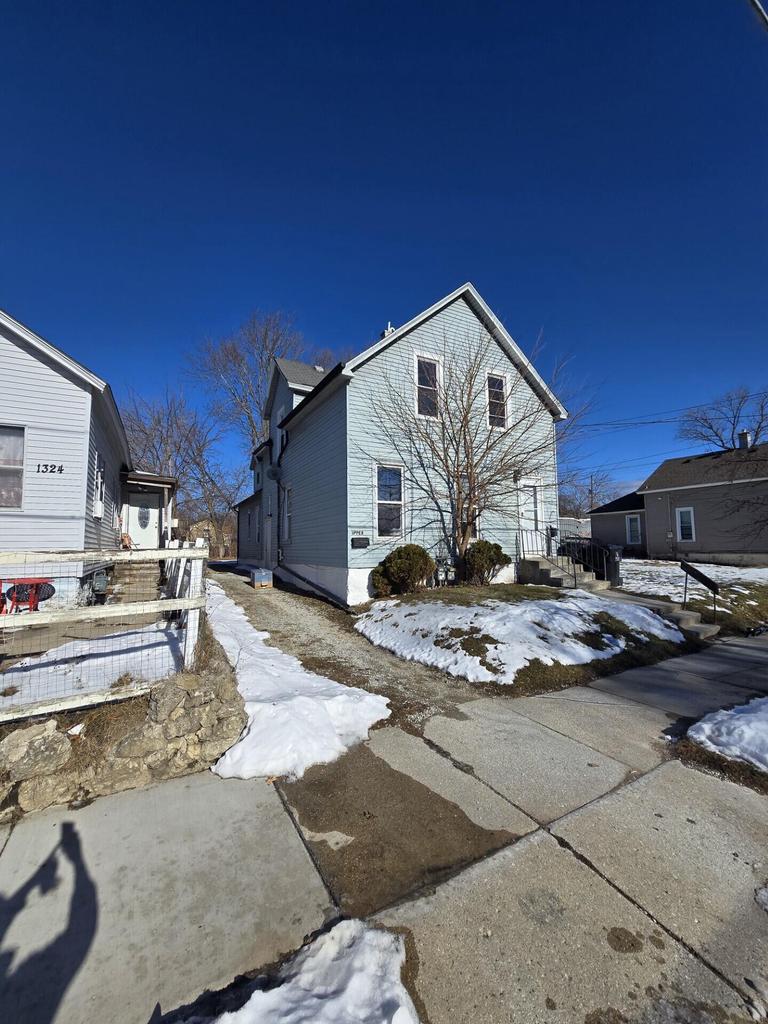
{"x": 295, "y": 718}
{"x": 80, "y": 667}
{"x": 740, "y": 734}
{"x": 350, "y": 975}
{"x": 493, "y": 640}
{"x": 667, "y": 579}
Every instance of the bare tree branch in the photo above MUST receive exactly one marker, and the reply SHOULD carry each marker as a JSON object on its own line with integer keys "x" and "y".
{"x": 719, "y": 424}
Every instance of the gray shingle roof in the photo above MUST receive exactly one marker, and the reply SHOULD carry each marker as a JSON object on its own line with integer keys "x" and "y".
{"x": 721, "y": 467}
{"x": 626, "y": 503}
{"x": 303, "y": 374}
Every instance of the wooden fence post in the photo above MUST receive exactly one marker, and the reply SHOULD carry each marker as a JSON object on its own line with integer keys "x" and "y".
{"x": 193, "y": 617}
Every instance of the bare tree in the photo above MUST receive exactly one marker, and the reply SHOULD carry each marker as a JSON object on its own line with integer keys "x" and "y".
{"x": 580, "y": 493}
{"x": 234, "y": 371}
{"x": 170, "y": 437}
{"x": 718, "y": 424}
{"x": 466, "y": 441}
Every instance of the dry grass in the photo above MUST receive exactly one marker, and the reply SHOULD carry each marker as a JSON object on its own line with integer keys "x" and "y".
{"x": 744, "y": 774}
{"x": 466, "y": 595}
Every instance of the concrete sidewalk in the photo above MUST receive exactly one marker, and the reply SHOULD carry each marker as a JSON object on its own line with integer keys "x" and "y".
{"x": 575, "y": 873}
{"x": 137, "y": 903}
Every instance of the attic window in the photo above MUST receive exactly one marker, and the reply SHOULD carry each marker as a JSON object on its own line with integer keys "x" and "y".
{"x": 426, "y": 387}
{"x": 497, "y": 401}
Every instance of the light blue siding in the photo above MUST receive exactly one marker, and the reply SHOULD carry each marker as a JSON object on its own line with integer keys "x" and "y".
{"x": 454, "y": 333}
{"x": 314, "y": 467}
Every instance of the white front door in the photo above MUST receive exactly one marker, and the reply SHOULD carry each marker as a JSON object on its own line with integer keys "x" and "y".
{"x": 144, "y": 519}
{"x": 530, "y": 526}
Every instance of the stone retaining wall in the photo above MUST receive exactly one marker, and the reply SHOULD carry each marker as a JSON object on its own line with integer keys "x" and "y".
{"x": 182, "y": 726}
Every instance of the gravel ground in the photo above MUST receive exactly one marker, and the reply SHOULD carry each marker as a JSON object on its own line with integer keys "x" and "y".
{"x": 323, "y": 639}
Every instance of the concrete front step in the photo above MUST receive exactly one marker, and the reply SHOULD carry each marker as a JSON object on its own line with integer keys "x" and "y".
{"x": 685, "y": 618}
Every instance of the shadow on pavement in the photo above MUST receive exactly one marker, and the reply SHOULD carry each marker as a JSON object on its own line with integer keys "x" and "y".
{"x": 33, "y": 990}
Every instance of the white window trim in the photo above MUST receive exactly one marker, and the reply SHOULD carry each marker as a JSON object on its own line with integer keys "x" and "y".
{"x": 13, "y": 510}
{"x": 633, "y": 515}
{"x": 432, "y": 359}
{"x": 685, "y": 508}
{"x": 385, "y": 537}
{"x": 99, "y": 487}
{"x": 505, "y": 377}
{"x": 287, "y": 524}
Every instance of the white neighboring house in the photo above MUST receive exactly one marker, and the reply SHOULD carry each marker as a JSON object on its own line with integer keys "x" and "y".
{"x": 331, "y": 497}
{"x": 67, "y": 482}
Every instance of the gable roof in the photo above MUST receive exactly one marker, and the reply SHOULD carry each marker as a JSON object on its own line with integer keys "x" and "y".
{"x": 77, "y": 370}
{"x": 299, "y": 374}
{"x": 495, "y": 328}
{"x": 736, "y": 465}
{"x": 632, "y": 502}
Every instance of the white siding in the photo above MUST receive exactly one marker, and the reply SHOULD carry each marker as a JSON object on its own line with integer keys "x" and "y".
{"x": 103, "y": 533}
{"x": 54, "y": 410}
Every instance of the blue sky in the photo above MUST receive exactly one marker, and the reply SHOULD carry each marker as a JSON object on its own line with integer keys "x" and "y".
{"x": 597, "y": 170}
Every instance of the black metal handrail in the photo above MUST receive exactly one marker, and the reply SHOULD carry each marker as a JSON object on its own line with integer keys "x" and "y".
{"x": 588, "y": 553}
{"x": 543, "y": 544}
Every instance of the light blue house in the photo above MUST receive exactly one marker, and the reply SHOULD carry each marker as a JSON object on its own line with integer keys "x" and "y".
{"x": 340, "y": 480}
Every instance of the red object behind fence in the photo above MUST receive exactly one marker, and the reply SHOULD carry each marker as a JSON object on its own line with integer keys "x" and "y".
{"x": 25, "y": 591}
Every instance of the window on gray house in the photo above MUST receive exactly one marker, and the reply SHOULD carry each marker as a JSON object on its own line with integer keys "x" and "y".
{"x": 426, "y": 390}
{"x": 389, "y": 500}
{"x": 11, "y": 466}
{"x": 497, "y": 401}
{"x": 633, "y": 529}
{"x": 98, "y": 487}
{"x": 686, "y": 527}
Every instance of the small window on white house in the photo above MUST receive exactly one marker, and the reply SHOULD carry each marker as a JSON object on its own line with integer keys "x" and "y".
{"x": 633, "y": 529}
{"x": 686, "y": 526}
{"x": 426, "y": 387}
{"x": 497, "y": 401}
{"x": 11, "y": 466}
{"x": 389, "y": 501}
{"x": 98, "y": 487}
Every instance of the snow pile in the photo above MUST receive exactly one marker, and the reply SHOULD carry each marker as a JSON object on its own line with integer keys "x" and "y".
{"x": 493, "y": 640}
{"x": 146, "y": 654}
{"x": 667, "y": 579}
{"x": 351, "y": 975}
{"x": 741, "y": 733}
{"x": 295, "y": 718}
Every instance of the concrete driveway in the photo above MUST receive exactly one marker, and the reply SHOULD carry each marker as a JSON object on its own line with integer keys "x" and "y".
{"x": 543, "y": 857}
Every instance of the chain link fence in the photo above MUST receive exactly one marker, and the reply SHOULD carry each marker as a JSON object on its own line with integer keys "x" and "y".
{"x": 80, "y": 627}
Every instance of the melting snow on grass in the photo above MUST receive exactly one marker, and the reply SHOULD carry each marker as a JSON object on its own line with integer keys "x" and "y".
{"x": 295, "y": 718}
{"x": 493, "y": 640}
{"x": 741, "y": 733}
{"x": 145, "y": 654}
{"x": 351, "y": 975}
{"x": 667, "y": 579}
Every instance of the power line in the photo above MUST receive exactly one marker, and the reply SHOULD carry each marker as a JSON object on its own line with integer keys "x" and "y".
{"x": 644, "y": 419}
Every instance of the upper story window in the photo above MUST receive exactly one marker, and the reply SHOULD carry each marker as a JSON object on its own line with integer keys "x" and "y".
{"x": 426, "y": 387}
{"x": 11, "y": 466}
{"x": 497, "y": 401}
{"x": 389, "y": 501}
{"x": 686, "y": 525}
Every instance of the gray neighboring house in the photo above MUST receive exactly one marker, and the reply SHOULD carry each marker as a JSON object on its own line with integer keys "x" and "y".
{"x": 66, "y": 478}
{"x": 330, "y": 496}
{"x": 711, "y": 507}
{"x": 621, "y": 521}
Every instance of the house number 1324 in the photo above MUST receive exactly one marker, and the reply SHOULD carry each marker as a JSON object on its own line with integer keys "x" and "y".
{"x": 49, "y": 467}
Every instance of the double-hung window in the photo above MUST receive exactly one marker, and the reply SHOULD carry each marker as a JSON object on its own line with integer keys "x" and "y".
{"x": 11, "y": 466}
{"x": 287, "y": 514}
{"x": 634, "y": 535}
{"x": 497, "y": 401}
{"x": 686, "y": 526}
{"x": 389, "y": 501}
{"x": 426, "y": 387}
{"x": 98, "y": 487}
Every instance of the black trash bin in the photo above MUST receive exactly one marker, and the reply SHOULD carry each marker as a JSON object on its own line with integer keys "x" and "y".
{"x": 614, "y": 565}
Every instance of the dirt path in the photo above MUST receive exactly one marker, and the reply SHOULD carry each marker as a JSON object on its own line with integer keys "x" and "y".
{"x": 324, "y": 640}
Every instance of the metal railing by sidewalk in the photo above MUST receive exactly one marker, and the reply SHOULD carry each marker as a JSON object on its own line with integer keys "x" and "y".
{"x": 82, "y": 627}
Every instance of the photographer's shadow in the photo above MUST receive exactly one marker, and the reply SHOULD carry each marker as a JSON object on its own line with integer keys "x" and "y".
{"x": 33, "y": 989}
